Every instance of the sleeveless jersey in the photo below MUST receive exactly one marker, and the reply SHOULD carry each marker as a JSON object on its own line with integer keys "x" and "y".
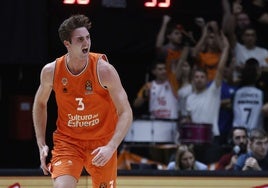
{"x": 162, "y": 101}
{"x": 248, "y": 102}
{"x": 85, "y": 109}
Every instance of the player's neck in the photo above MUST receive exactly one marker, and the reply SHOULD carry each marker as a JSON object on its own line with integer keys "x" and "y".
{"x": 75, "y": 65}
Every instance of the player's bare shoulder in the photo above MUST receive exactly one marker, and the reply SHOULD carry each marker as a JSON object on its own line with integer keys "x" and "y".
{"x": 107, "y": 73}
{"x": 47, "y": 73}
{"x": 104, "y": 66}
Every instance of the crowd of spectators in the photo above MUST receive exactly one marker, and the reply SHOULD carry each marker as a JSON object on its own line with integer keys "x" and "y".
{"x": 219, "y": 79}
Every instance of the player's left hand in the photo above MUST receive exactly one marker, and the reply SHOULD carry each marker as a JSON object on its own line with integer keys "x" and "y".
{"x": 102, "y": 155}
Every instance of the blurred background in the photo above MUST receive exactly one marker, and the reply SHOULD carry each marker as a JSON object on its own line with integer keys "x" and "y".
{"x": 125, "y": 30}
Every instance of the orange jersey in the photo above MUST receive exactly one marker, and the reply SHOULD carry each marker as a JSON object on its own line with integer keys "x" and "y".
{"x": 85, "y": 109}
{"x": 209, "y": 61}
{"x": 171, "y": 63}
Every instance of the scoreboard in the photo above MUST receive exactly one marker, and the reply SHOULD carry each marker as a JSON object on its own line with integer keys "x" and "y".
{"x": 123, "y": 3}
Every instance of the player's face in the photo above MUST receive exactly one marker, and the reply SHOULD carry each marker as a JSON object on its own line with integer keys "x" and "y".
{"x": 80, "y": 42}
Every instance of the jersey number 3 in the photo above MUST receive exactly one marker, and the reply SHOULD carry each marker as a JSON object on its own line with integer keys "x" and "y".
{"x": 80, "y": 105}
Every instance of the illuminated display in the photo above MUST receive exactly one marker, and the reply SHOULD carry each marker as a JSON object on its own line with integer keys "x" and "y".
{"x": 147, "y": 3}
{"x": 79, "y": 2}
{"x": 157, "y": 3}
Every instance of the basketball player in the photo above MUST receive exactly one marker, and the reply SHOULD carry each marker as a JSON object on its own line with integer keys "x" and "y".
{"x": 94, "y": 114}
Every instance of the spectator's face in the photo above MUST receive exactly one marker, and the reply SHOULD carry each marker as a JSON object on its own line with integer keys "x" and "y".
{"x": 211, "y": 39}
{"x": 239, "y": 137}
{"x": 175, "y": 37}
{"x": 200, "y": 80}
{"x": 187, "y": 160}
{"x": 160, "y": 72}
{"x": 249, "y": 38}
{"x": 186, "y": 69}
{"x": 242, "y": 20}
{"x": 259, "y": 147}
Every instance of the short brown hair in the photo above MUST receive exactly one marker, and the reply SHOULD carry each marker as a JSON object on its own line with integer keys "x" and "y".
{"x": 257, "y": 134}
{"x": 69, "y": 25}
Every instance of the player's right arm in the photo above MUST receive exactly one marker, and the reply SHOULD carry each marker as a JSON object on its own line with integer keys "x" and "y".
{"x": 40, "y": 112}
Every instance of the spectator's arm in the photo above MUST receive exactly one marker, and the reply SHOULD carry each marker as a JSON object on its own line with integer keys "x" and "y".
{"x": 229, "y": 22}
{"x": 222, "y": 62}
{"x": 161, "y": 34}
{"x": 200, "y": 44}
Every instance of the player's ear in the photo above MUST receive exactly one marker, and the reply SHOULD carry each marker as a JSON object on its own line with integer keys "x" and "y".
{"x": 66, "y": 43}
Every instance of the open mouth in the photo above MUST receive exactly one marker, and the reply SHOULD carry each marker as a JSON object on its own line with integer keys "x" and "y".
{"x": 85, "y": 50}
